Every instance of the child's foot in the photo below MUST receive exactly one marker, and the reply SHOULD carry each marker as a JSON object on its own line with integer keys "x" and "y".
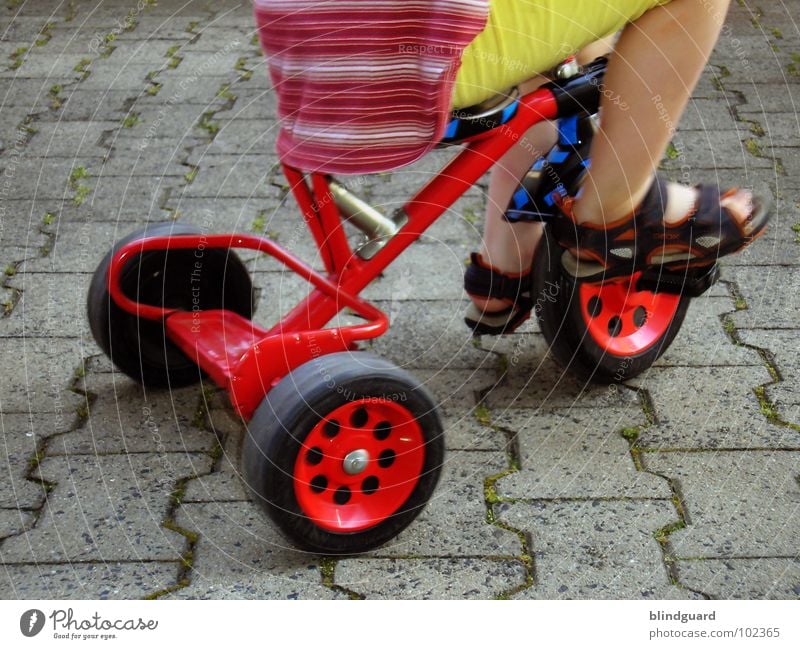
{"x": 501, "y": 301}
{"x": 675, "y": 227}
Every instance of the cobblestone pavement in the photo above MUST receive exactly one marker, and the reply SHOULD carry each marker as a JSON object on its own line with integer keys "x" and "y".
{"x": 680, "y": 484}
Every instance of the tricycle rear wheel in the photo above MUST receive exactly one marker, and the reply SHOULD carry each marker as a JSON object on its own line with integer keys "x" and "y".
{"x": 170, "y": 279}
{"x": 344, "y": 452}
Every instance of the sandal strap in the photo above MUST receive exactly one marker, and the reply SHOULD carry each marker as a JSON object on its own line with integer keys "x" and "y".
{"x": 706, "y": 229}
{"x": 710, "y": 223}
{"x": 482, "y": 280}
{"x": 618, "y": 237}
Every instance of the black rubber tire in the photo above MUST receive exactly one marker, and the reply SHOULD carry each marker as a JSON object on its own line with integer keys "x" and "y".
{"x": 139, "y": 348}
{"x": 288, "y": 414}
{"x": 557, "y": 308}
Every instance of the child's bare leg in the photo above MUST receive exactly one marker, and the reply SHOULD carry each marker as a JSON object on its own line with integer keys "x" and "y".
{"x": 662, "y": 54}
{"x": 509, "y": 246}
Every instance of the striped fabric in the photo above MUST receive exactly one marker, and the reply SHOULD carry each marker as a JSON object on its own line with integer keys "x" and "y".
{"x": 363, "y": 85}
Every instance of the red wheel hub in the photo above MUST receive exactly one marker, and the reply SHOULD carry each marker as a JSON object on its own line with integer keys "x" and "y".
{"x": 622, "y": 320}
{"x": 359, "y": 465}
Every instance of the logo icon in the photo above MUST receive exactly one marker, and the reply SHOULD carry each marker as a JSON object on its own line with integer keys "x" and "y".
{"x": 31, "y": 622}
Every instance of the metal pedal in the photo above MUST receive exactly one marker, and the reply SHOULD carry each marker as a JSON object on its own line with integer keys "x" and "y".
{"x": 692, "y": 283}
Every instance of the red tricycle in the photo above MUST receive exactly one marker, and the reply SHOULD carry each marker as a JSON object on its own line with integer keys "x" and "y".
{"x": 343, "y": 449}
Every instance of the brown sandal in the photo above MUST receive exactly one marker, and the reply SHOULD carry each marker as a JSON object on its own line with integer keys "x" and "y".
{"x": 485, "y": 281}
{"x": 642, "y": 240}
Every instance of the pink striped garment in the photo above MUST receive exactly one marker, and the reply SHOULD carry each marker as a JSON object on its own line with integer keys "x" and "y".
{"x": 363, "y": 85}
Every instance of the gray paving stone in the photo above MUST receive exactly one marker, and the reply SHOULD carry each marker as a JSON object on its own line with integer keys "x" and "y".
{"x": 71, "y": 139}
{"x": 708, "y": 86}
{"x": 279, "y": 292}
{"x": 462, "y": 432}
{"x": 455, "y": 578}
{"x": 212, "y": 38}
{"x": 109, "y": 580}
{"x": 104, "y": 76}
{"x": 239, "y": 554}
{"x": 20, "y": 227}
{"x": 771, "y": 98}
{"x": 742, "y": 48}
{"x": 577, "y": 454}
{"x": 236, "y": 137}
{"x": 738, "y": 504}
{"x": 41, "y": 384}
{"x": 747, "y": 79}
{"x": 160, "y": 32}
{"x": 723, "y": 149}
{"x": 790, "y": 162}
{"x": 78, "y": 249}
{"x": 782, "y": 346}
{"x": 134, "y": 199}
{"x": 152, "y": 160}
{"x": 456, "y": 392}
{"x": 429, "y": 334}
{"x": 219, "y": 487}
{"x": 259, "y": 587}
{"x": 776, "y": 247}
{"x": 225, "y": 482}
{"x": 703, "y": 341}
{"x": 106, "y": 507}
{"x": 253, "y": 104}
{"x": 49, "y": 65}
{"x": 14, "y": 521}
{"x": 772, "y": 295}
{"x": 409, "y": 278}
{"x": 595, "y": 549}
{"x": 219, "y": 62}
{"x": 709, "y": 407}
{"x": 539, "y": 383}
{"x": 23, "y": 28}
{"x": 177, "y": 91}
{"x": 157, "y": 123}
{"x": 781, "y": 128}
{"x": 234, "y": 176}
{"x": 46, "y": 308}
{"x": 751, "y": 17}
{"x": 29, "y": 178}
{"x": 454, "y": 521}
{"x": 84, "y": 106}
{"x": 124, "y": 420}
{"x": 742, "y": 578}
{"x": 22, "y": 438}
{"x": 708, "y": 116}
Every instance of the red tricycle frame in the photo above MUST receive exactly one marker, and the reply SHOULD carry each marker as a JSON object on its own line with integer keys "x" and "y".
{"x": 248, "y": 361}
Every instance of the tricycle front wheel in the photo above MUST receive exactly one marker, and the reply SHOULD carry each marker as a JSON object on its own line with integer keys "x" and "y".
{"x": 605, "y": 332}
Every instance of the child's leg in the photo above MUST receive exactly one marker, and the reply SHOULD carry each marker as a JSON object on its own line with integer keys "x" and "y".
{"x": 662, "y": 53}
{"x": 509, "y": 246}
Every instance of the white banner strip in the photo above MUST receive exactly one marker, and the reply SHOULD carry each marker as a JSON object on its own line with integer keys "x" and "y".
{"x": 390, "y": 624}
